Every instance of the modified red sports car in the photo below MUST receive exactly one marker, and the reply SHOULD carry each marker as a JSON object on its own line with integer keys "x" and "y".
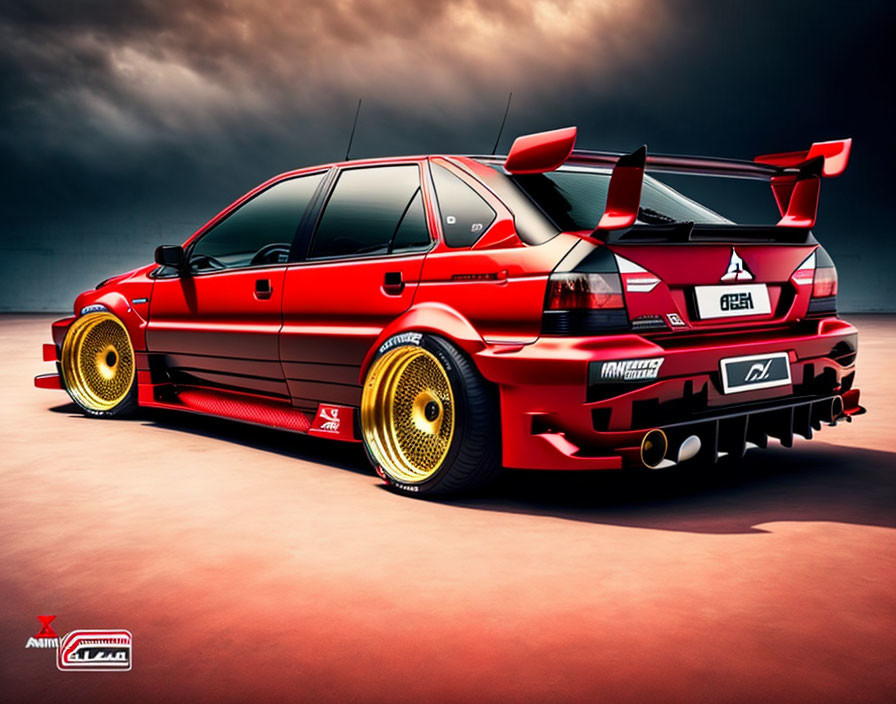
{"x": 554, "y": 309}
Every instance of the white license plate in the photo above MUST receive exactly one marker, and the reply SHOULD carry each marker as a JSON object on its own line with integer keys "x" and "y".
{"x": 732, "y": 301}
{"x": 758, "y": 371}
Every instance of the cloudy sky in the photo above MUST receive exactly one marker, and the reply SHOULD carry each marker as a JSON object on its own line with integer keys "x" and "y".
{"x": 127, "y": 123}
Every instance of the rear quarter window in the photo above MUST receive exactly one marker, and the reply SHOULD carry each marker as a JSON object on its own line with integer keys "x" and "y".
{"x": 465, "y": 215}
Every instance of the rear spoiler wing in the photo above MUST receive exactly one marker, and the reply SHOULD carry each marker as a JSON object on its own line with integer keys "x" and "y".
{"x": 794, "y": 176}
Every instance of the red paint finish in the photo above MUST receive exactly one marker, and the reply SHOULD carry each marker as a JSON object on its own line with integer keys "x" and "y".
{"x": 209, "y": 343}
{"x": 48, "y": 381}
{"x": 624, "y": 192}
{"x": 537, "y": 153}
{"x": 835, "y": 153}
{"x": 244, "y": 408}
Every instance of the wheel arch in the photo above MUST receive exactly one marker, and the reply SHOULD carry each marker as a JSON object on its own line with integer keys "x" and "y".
{"x": 119, "y": 305}
{"x": 434, "y": 319}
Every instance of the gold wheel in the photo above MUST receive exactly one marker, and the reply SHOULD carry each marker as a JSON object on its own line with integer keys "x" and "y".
{"x": 407, "y": 413}
{"x": 98, "y": 361}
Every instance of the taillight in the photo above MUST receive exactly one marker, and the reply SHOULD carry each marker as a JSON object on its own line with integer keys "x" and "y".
{"x": 819, "y": 272}
{"x": 825, "y": 282}
{"x": 587, "y": 300}
{"x": 577, "y": 291}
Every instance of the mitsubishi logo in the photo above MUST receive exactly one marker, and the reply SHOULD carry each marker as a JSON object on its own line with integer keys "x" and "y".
{"x": 737, "y": 270}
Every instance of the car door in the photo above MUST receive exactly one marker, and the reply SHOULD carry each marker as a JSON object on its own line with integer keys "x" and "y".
{"x": 360, "y": 273}
{"x": 218, "y": 325}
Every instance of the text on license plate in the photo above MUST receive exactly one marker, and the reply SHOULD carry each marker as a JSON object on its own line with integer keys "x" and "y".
{"x": 732, "y": 301}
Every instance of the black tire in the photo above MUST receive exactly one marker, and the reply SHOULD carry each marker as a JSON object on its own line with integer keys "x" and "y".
{"x": 473, "y": 458}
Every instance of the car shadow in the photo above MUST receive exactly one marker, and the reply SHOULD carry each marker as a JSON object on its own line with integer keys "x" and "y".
{"x": 810, "y": 482}
{"x": 343, "y": 455}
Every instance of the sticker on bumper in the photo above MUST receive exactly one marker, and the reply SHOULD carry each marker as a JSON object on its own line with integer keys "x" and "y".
{"x": 761, "y": 371}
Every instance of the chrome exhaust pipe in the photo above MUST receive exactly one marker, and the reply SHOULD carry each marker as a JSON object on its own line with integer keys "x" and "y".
{"x": 689, "y": 448}
{"x": 836, "y": 410}
{"x": 654, "y": 446}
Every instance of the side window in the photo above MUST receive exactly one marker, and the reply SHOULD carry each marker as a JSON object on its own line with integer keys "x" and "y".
{"x": 373, "y": 210}
{"x": 465, "y": 215}
{"x": 260, "y": 231}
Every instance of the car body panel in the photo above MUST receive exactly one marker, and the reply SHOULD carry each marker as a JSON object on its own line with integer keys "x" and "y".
{"x": 288, "y": 345}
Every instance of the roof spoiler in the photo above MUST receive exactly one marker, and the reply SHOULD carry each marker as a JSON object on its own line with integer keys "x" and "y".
{"x": 544, "y": 151}
{"x": 624, "y": 191}
{"x": 834, "y": 153}
{"x": 794, "y": 176}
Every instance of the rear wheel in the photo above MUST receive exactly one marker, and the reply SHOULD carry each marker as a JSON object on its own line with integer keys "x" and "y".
{"x": 429, "y": 419}
{"x": 98, "y": 366}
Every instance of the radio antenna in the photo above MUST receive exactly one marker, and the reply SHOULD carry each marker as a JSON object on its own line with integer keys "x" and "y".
{"x": 501, "y": 130}
{"x": 352, "y": 135}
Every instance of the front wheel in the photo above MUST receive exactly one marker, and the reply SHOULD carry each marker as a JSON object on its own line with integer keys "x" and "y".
{"x": 429, "y": 419}
{"x": 98, "y": 366}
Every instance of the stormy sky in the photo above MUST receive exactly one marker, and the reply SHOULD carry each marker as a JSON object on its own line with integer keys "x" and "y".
{"x": 125, "y": 124}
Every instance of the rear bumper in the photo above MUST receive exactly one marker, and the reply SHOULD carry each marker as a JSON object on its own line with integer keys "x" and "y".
{"x": 550, "y": 421}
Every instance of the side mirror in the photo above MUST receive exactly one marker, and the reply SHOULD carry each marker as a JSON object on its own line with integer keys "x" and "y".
{"x": 173, "y": 256}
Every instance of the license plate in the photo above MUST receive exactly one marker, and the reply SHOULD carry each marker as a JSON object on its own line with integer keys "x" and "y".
{"x": 758, "y": 371}
{"x": 732, "y": 301}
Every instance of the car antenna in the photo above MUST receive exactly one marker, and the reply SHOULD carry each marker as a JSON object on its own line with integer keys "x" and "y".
{"x": 501, "y": 130}
{"x": 352, "y": 135}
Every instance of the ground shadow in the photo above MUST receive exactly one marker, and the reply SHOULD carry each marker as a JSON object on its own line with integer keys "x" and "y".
{"x": 810, "y": 482}
{"x": 343, "y": 455}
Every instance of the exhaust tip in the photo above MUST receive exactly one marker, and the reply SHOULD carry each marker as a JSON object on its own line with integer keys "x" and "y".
{"x": 836, "y": 407}
{"x": 654, "y": 445}
{"x": 689, "y": 448}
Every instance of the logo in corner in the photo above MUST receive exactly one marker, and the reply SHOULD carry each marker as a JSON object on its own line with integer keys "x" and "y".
{"x": 95, "y": 650}
{"x": 737, "y": 269}
{"x": 46, "y": 637}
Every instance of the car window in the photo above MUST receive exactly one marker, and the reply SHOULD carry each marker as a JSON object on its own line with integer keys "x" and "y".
{"x": 260, "y": 231}
{"x": 465, "y": 215}
{"x": 575, "y": 200}
{"x": 373, "y": 210}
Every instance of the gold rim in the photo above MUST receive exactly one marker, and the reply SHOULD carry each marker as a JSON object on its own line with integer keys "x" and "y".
{"x": 407, "y": 413}
{"x": 98, "y": 361}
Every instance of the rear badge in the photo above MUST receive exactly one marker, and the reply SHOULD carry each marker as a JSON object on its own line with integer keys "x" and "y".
{"x": 760, "y": 371}
{"x": 737, "y": 270}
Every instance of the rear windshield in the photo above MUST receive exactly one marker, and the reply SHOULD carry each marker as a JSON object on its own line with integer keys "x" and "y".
{"x": 574, "y": 199}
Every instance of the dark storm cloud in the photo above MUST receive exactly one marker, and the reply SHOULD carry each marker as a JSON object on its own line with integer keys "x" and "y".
{"x": 125, "y": 123}
{"x": 112, "y": 75}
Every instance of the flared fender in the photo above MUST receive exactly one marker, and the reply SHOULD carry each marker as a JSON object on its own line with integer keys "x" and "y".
{"x": 433, "y": 318}
{"x": 118, "y": 304}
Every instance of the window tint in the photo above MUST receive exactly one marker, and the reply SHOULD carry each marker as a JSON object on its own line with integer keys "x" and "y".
{"x": 260, "y": 231}
{"x": 575, "y": 200}
{"x": 376, "y": 210}
{"x": 465, "y": 215}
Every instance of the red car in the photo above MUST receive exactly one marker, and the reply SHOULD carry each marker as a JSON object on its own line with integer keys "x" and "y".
{"x": 554, "y": 309}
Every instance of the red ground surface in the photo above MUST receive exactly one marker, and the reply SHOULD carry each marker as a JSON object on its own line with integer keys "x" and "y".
{"x": 252, "y": 565}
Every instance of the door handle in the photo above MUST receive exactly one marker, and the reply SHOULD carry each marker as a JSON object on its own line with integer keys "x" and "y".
{"x": 393, "y": 284}
{"x": 263, "y": 289}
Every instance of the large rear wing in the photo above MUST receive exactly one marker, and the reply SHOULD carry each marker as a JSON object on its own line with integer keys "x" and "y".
{"x": 794, "y": 176}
